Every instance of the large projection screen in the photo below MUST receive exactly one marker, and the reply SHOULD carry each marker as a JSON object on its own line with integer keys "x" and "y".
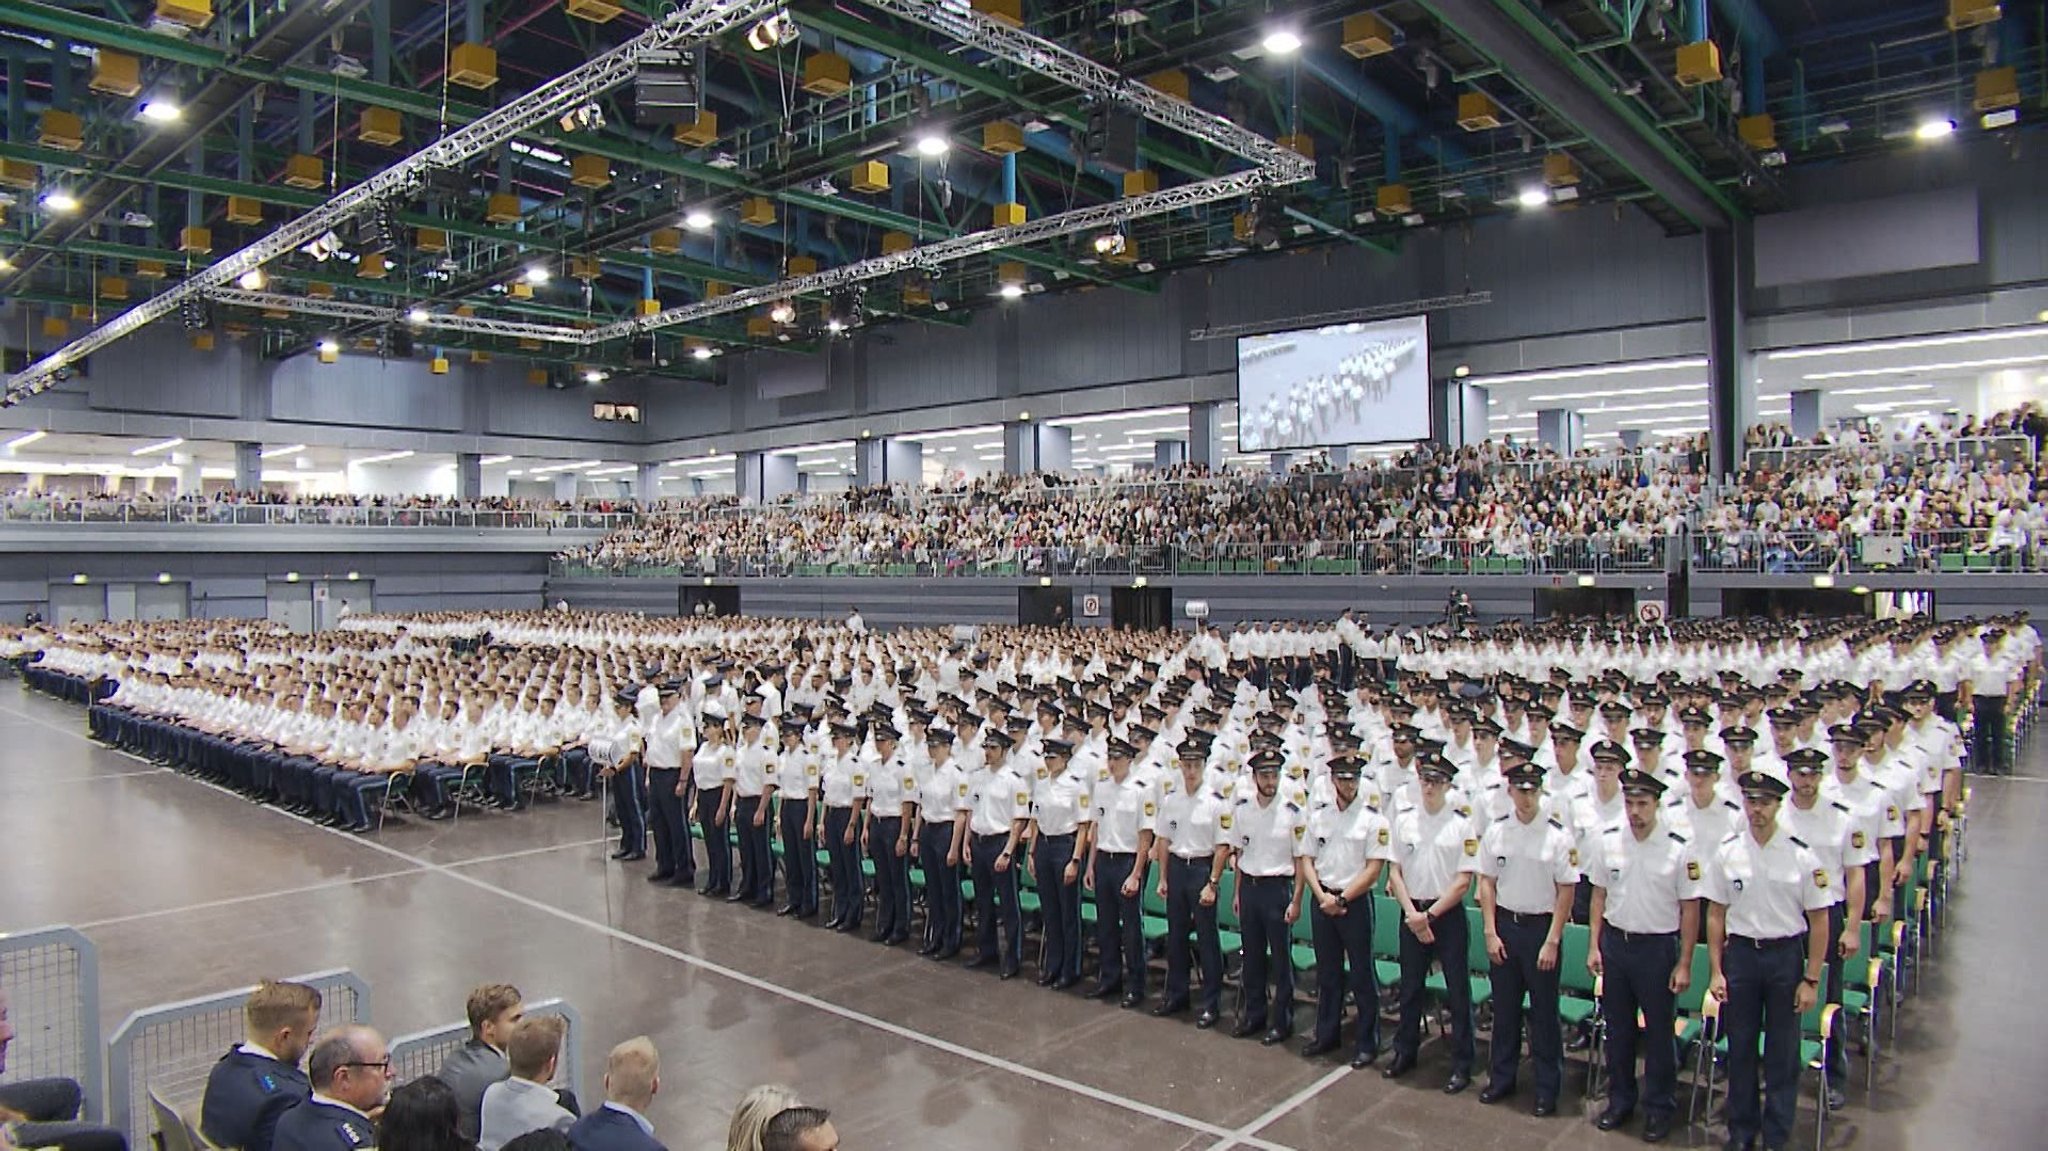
{"x": 1334, "y": 386}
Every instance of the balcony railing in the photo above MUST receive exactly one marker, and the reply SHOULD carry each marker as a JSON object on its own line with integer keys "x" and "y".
{"x": 210, "y": 514}
{"x": 2014, "y": 451}
{"x": 1397, "y": 555}
{"x": 1958, "y": 551}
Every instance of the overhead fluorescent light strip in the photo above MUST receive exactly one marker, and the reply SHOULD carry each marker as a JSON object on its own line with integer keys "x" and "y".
{"x": 1908, "y": 344}
{"x": 1951, "y": 366}
{"x": 161, "y": 446}
{"x": 386, "y": 458}
{"x": 1589, "y": 373}
{"x": 279, "y": 453}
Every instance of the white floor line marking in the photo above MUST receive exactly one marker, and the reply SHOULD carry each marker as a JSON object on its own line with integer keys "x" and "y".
{"x": 899, "y": 1031}
{"x": 42, "y": 783}
{"x": 505, "y": 855}
{"x": 234, "y": 900}
{"x": 1279, "y": 1110}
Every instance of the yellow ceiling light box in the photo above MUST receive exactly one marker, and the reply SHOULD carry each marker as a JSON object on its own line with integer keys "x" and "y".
{"x": 585, "y": 268}
{"x": 1172, "y": 82}
{"x": 593, "y": 11}
{"x": 438, "y": 365}
{"x": 800, "y": 266}
{"x": 827, "y": 74}
{"x": 1009, "y": 12}
{"x": 588, "y": 171}
{"x": 195, "y": 240}
{"x": 373, "y": 267}
{"x": 1008, "y": 215}
{"x": 113, "y": 288}
{"x": 760, "y": 327}
{"x": 202, "y": 341}
{"x": 698, "y": 132}
{"x": 244, "y": 210}
{"x": 1699, "y": 63}
{"x": 758, "y": 211}
{"x": 502, "y": 208}
{"x": 1477, "y": 112}
{"x": 380, "y": 126}
{"x": 1366, "y": 35}
{"x": 1971, "y": 13}
{"x": 1560, "y": 170}
{"x": 894, "y": 242}
{"x": 18, "y": 174}
{"x": 520, "y": 290}
{"x": 432, "y": 241}
{"x": 55, "y": 327}
{"x": 303, "y": 171}
{"x": 1394, "y": 200}
{"x": 1997, "y": 88}
{"x": 1299, "y": 143}
{"x": 473, "y": 66}
{"x": 61, "y": 130}
{"x": 150, "y": 270}
{"x": 650, "y": 307}
{"x": 190, "y": 13}
{"x": 1002, "y": 138}
{"x": 479, "y": 356}
{"x": 1142, "y": 182}
{"x": 665, "y": 241}
{"x": 116, "y": 74}
{"x": 869, "y": 176}
{"x": 1760, "y": 132}
{"x": 716, "y": 288}
{"x": 318, "y": 291}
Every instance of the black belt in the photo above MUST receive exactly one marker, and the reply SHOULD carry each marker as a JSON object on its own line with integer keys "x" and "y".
{"x": 1121, "y": 854}
{"x": 990, "y": 834}
{"x": 1202, "y": 858}
{"x": 1639, "y": 936}
{"x": 653, "y": 768}
{"x": 1524, "y": 917}
{"x": 1768, "y": 944}
{"x": 1260, "y": 880}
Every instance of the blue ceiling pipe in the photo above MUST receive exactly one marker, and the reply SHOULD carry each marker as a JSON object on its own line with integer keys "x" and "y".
{"x": 1400, "y": 119}
{"x": 1759, "y": 42}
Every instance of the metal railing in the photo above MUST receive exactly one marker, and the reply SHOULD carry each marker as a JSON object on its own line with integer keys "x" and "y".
{"x": 1393, "y": 555}
{"x": 172, "y": 1047}
{"x": 2011, "y": 450}
{"x": 220, "y": 514}
{"x": 52, "y": 979}
{"x": 422, "y": 1052}
{"x": 1949, "y": 552}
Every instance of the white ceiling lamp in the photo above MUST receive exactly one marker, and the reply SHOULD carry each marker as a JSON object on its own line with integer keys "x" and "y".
{"x": 417, "y": 316}
{"x": 60, "y": 201}
{"x": 1909, "y": 344}
{"x": 699, "y": 219}
{"x": 538, "y": 274}
{"x": 160, "y": 109}
{"x": 387, "y": 457}
{"x": 280, "y": 453}
{"x": 493, "y": 461}
{"x": 1597, "y": 372}
{"x": 252, "y": 280}
{"x": 160, "y": 446}
{"x": 1935, "y": 128}
{"x": 1532, "y": 197}
{"x": 1675, "y": 389}
{"x": 25, "y": 440}
{"x": 932, "y": 143}
{"x": 1903, "y": 369}
{"x": 1281, "y": 42}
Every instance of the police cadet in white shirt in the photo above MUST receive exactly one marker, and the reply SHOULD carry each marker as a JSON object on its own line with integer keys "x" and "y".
{"x": 1528, "y": 869}
{"x": 671, "y": 742}
{"x": 1347, "y": 845}
{"x": 1646, "y": 919}
{"x": 1436, "y": 853}
{"x": 1061, "y": 812}
{"x": 1186, "y": 844}
{"x": 795, "y": 783}
{"x": 845, "y": 785}
{"x": 892, "y": 793}
{"x": 1122, "y": 808}
{"x": 1262, "y": 833}
{"x": 712, "y": 772}
{"x": 1767, "y": 933}
{"x": 999, "y": 803}
{"x": 942, "y": 807}
{"x": 617, "y": 750}
{"x": 756, "y": 884}
{"x": 1844, "y": 842}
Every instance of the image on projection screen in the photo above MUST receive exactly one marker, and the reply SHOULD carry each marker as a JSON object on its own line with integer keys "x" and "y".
{"x": 1324, "y": 387}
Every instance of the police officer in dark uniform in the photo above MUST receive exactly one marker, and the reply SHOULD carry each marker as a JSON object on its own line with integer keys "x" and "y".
{"x": 1436, "y": 853}
{"x": 1192, "y": 857}
{"x": 350, "y": 1072}
{"x": 1263, "y": 830}
{"x": 256, "y": 1083}
{"x": 1528, "y": 870}
{"x": 1767, "y": 932}
{"x": 1347, "y": 845}
{"x": 1645, "y": 922}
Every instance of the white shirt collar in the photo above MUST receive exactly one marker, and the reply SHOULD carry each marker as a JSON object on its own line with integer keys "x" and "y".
{"x": 258, "y": 1049}
{"x": 331, "y": 1101}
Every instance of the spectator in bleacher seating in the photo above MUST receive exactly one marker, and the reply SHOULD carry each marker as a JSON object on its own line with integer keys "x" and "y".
{"x": 350, "y": 1070}
{"x": 494, "y": 1009}
{"x": 259, "y": 1080}
{"x": 44, "y": 1112}
{"x": 632, "y": 1078}
{"x": 422, "y": 1116}
{"x": 751, "y": 1117}
{"x": 545, "y": 1139}
{"x": 524, "y": 1102}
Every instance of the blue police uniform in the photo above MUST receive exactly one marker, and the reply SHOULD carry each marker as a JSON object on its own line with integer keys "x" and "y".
{"x": 246, "y": 1094}
{"x": 318, "y": 1126}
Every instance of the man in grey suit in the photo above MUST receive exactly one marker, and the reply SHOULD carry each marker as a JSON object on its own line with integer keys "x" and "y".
{"x": 632, "y": 1076}
{"x": 525, "y": 1102}
{"x": 494, "y": 1010}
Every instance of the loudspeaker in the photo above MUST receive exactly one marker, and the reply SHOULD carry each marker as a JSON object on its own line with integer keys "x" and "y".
{"x": 1120, "y": 141}
{"x": 665, "y": 90}
{"x": 398, "y": 343}
{"x": 640, "y": 352}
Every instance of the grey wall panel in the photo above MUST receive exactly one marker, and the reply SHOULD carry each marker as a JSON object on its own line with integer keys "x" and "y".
{"x": 918, "y": 365}
{"x": 1869, "y": 237}
{"x": 395, "y": 394}
{"x": 157, "y": 371}
{"x": 1098, "y": 336}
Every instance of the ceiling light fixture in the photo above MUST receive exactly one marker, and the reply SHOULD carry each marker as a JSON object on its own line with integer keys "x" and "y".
{"x": 252, "y": 280}
{"x": 1907, "y": 345}
{"x": 773, "y": 32}
{"x": 386, "y": 458}
{"x": 1012, "y": 291}
{"x": 1937, "y": 128}
{"x": 1950, "y": 366}
{"x": 24, "y": 441}
{"x": 783, "y": 312}
{"x": 330, "y": 347}
{"x": 418, "y": 316}
{"x": 493, "y": 461}
{"x": 1281, "y": 42}
{"x": 932, "y": 143}
{"x": 160, "y": 110}
{"x": 279, "y": 453}
{"x": 160, "y": 446}
{"x": 1532, "y": 197}
{"x": 699, "y": 219}
{"x": 538, "y": 274}
{"x": 60, "y": 202}
{"x": 702, "y": 353}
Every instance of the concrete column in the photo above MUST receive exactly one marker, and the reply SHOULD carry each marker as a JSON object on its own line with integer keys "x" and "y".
{"x": 248, "y": 467}
{"x": 469, "y": 475}
{"x": 902, "y": 462}
{"x": 1204, "y": 446}
{"x": 647, "y": 483}
{"x": 1279, "y": 462}
{"x": 1561, "y": 430}
{"x": 1020, "y": 449}
{"x": 763, "y": 477}
{"x": 1340, "y": 457}
{"x": 868, "y": 462}
{"x": 803, "y": 482}
{"x": 189, "y": 481}
{"x": 1632, "y": 438}
{"x": 1475, "y": 418}
{"x": 1806, "y": 413}
{"x": 1169, "y": 453}
{"x": 1731, "y": 391}
{"x": 746, "y": 477}
{"x": 1055, "y": 448}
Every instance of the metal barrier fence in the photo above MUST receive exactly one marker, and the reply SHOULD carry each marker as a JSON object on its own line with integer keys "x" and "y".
{"x": 172, "y": 1047}
{"x": 52, "y": 979}
{"x": 1951, "y": 552}
{"x": 421, "y": 1052}
{"x": 1393, "y": 555}
{"x": 2015, "y": 450}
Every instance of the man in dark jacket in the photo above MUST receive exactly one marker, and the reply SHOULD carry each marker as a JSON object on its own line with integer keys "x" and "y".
{"x": 259, "y": 1080}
